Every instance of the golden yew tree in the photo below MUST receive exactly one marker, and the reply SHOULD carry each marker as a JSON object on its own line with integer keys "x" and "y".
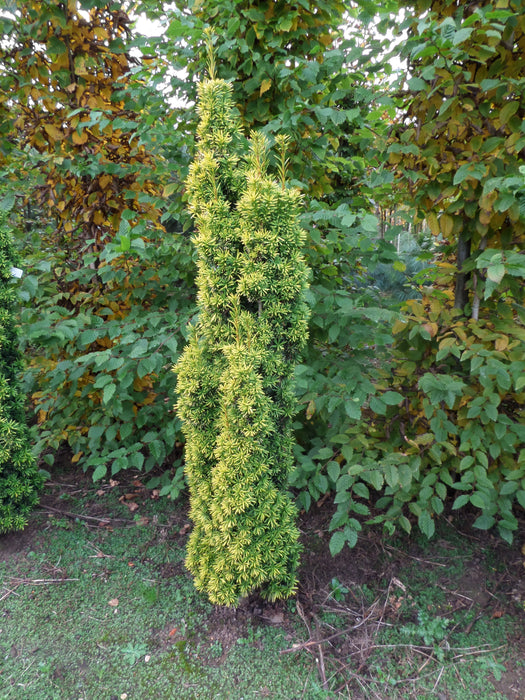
{"x": 235, "y": 377}
{"x": 20, "y": 479}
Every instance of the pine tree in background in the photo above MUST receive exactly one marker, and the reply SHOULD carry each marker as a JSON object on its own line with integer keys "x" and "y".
{"x": 235, "y": 377}
{"x": 20, "y": 479}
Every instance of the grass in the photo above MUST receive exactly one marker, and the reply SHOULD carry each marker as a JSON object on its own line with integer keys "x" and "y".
{"x": 99, "y": 606}
{"x": 92, "y": 615}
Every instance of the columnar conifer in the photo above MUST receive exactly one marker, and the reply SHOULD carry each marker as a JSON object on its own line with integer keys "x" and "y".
{"x": 235, "y": 377}
{"x": 19, "y": 476}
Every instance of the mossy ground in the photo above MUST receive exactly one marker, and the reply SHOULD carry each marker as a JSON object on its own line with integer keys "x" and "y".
{"x": 95, "y": 603}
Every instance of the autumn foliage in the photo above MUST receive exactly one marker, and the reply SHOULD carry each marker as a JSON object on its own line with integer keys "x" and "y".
{"x": 65, "y": 75}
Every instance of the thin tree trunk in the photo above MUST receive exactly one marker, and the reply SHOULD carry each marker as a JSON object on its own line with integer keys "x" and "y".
{"x": 461, "y": 293}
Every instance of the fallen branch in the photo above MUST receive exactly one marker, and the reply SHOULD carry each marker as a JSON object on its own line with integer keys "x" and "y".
{"x": 79, "y": 516}
{"x": 315, "y": 642}
{"x": 477, "y": 652}
{"x": 8, "y": 592}
{"x": 39, "y": 581}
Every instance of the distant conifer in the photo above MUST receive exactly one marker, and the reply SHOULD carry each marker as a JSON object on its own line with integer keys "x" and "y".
{"x": 20, "y": 479}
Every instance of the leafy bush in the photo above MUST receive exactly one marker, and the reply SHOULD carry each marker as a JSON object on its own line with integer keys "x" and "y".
{"x": 105, "y": 305}
{"x": 456, "y": 426}
{"x": 99, "y": 373}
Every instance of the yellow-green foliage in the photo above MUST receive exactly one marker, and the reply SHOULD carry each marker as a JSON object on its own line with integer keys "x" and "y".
{"x": 235, "y": 377}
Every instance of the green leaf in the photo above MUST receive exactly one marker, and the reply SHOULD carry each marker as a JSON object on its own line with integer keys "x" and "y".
{"x": 324, "y": 453}
{"x": 342, "y": 497}
{"x": 337, "y": 542}
{"x": 461, "y": 501}
{"x": 361, "y": 490}
{"x": 7, "y": 202}
{"x": 341, "y": 439}
{"x": 469, "y": 171}
{"x": 391, "y": 475}
{"x": 108, "y": 393}
{"x": 333, "y": 470}
{"x": 125, "y": 430}
{"x": 374, "y": 477}
{"x": 404, "y": 522}
{"x": 508, "y": 111}
{"x": 426, "y": 524}
{"x": 495, "y": 273}
{"x": 377, "y": 406}
{"x": 477, "y": 500}
{"x": 351, "y": 535}
{"x": 417, "y": 84}
{"x": 139, "y": 348}
{"x": 462, "y": 35}
{"x": 392, "y": 398}
{"x": 344, "y": 482}
{"x": 147, "y": 365}
{"x": 520, "y": 497}
{"x": 96, "y": 431}
{"x": 352, "y": 410}
{"x": 100, "y": 472}
{"x": 505, "y": 534}
{"x": 508, "y": 488}
{"x": 484, "y": 522}
{"x": 370, "y": 223}
{"x": 102, "y": 380}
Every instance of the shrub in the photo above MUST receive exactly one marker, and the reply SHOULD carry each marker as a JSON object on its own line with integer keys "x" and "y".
{"x": 235, "y": 377}
{"x": 20, "y": 479}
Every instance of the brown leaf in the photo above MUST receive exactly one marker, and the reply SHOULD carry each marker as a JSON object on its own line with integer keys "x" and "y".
{"x": 113, "y": 602}
{"x": 53, "y": 132}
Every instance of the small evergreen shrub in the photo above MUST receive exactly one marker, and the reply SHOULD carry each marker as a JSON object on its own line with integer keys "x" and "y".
{"x": 235, "y": 377}
{"x": 20, "y": 479}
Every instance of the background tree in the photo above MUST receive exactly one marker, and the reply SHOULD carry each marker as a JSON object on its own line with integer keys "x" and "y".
{"x": 458, "y": 154}
{"x": 300, "y": 75}
{"x": 99, "y": 376}
{"x": 63, "y": 71}
{"x": 20, "y": 480}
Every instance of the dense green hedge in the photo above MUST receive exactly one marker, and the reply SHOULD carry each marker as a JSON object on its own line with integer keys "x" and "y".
{"x": 20, "y": 479}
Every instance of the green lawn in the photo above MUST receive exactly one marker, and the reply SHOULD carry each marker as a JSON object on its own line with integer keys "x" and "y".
{"x": 95, "y": 603}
